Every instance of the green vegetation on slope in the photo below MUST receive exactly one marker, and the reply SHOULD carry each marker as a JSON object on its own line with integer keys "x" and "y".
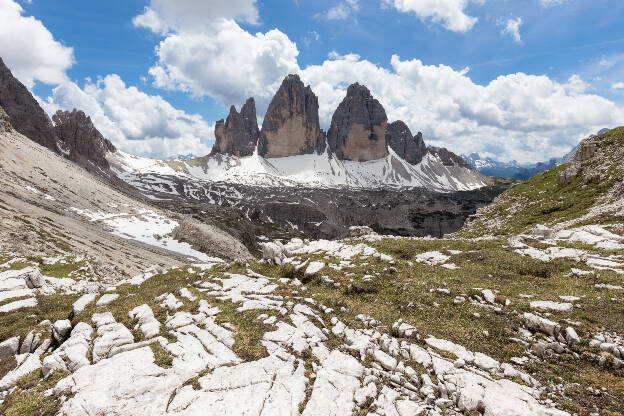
{"x": 540, "y": 200}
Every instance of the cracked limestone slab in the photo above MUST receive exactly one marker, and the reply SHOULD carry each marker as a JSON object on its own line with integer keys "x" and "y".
{"x": 271, "y": 386}
{"x": 129, "y": 383}
{"x": 334, "y": 388}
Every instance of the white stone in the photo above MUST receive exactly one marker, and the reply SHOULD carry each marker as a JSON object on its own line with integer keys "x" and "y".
{"x": 82, "y": 302}
{"x": 552, "y": 306}
{"x": 9, "y": 347}
{"x": 107, "y": 299}
{"x": 314, "y": 267}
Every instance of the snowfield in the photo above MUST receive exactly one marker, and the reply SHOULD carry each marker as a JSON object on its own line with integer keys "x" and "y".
{"x": 311, "y": 170}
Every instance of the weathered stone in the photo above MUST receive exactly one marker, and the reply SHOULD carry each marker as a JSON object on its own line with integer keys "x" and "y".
{"x": 571, "y": 336}
{"x": 80, "y": 140}
{"x": 358, "y": 127}
{"x": 9, "y": 347}
{"x": 449, "y": 158}
{"x": 25, "y": 114}
{"x": 61, "y": 330}
{"x": 400, "y": 139}
{"x": 238, "y": 134}
{"x": 291, "y": 124}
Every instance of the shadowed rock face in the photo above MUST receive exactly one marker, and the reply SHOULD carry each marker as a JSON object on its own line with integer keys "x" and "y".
{"x": 399, "y": 138}
{"x": 25, "y": 114}
{"x": 449, "y": 158}
{"x": 79, "y": 138}
{"x": 358, "y": 127}
{"x": 291, "y": 124}
{"x": 238, "y": 135}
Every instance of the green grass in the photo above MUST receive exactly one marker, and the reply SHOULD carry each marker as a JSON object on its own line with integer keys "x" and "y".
{"x": 28, "y": 398}
{"x": 540, "y": 200}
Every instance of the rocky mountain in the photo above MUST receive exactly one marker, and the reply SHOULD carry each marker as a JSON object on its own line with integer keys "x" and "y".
{"x": 136, "y": 302}
{"x": 408, "y": 147}
{"x": 513, "y": 169}
{"x": 291, "y": 124}
{"x": 79, "y": 140}
{"x": 238, "y": 135}
{"x": 587, "y": 188}
{"x": 26, "y": 116}
{"x": 358, "y": 127}
{"x": 71, "y": 134}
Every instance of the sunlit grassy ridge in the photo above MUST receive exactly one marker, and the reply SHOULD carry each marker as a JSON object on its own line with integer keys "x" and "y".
{"x": 540, "y": 200}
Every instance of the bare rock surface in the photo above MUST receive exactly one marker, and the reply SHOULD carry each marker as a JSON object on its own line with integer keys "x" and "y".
{"x": 25, "y": 114}
{"x": 400, "y": 139}
{"x": 291, "y": 124}
{"x": 358, "y": 127}
{"x": 80, "y": 140}
{"x": 238, "y": 134}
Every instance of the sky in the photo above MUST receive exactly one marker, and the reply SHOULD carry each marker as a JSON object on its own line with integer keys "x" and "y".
{"x": 513, "y": 80}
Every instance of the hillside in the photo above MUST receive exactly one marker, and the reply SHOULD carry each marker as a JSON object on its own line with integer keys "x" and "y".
{"x": 588, "y": 189}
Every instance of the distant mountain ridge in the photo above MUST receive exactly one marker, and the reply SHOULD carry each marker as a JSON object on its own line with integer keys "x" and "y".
{"x": 514, "y": 170}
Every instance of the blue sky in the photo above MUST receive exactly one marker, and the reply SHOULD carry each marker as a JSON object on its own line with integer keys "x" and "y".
{"x": 511, "y": 79}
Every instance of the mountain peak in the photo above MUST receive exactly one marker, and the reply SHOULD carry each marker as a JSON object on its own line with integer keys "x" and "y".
{"x": 291, "y": 124}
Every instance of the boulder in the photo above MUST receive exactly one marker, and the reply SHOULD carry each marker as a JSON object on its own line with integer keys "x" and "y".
{"x": 291, "y": 124}
{"x": 358, "y": 127}
{"x": 359, "y": 231}
{"x": 33, "y": 278}
{"x": 408, "y": 147}
{"x": 61, "y": 330}
{"x": 571, "y": 336}
{"x": 238, "y": 134}
{"x": 539, "y": 324}
{"x": 9, "y": 347}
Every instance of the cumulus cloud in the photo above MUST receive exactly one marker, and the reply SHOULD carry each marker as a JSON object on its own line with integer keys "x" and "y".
{"x": 516, "y": 116}
{"x": 451, "y": 13}
{"x": 134, "y": 121}
{"x": 229, "y": 64}
{"x": 512, "y": 28}
{"x": 29, "y": 49}
{"x": 617, "y": 86}
{"x": 342, "y": 10}
{"x": 163, "y": 16}
{"x": 214, "y": 56}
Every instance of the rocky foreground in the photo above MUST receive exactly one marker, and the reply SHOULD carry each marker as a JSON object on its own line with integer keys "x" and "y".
{"x": 369, "y": 325}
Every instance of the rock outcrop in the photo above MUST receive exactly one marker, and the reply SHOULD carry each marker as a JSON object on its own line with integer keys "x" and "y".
{"x": 449, "y": 158}
{"x": 238, "y": 134}
{"x": 5, "y": 122}
{"x": 586, "y": 150}
{"x": 291, "y": 124}
{"x": 25, "y": 114}
{"x": 400, "y": 139}
{"x": 358, "y": 127}
{"x": 80, "y": 140}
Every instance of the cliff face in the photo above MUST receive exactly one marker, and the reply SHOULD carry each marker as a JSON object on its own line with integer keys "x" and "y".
{"x": 291, "y": 124}
{"x": 358, "y": 127}
{"x": 400, "y": 139}
{"x": 238, "y": 134}
{"x": 80, "y": 140}
{"x": 24, "y": 112}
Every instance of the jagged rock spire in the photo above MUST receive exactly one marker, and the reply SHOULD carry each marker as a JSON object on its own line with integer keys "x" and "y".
{"x": 358, "y": 127}
{"x": 238, "y": 134}
{"x": 291, "y": 124}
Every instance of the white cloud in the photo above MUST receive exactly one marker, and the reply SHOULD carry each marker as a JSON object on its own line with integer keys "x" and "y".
{"x": 342, "y": 10}
{"x": 229, "y": 64}
{"x": 29, "y": 49}
{"x": 312, "y": 36}
{"x": 217, "y": 58}
{"x": 163, "y": 16}
{"x": 451, "y": 13}
{"x": 550, "y": 3}
{"x": 617, "y": 86}
{"x": 512, "y": 28}
{"x": 135, "y": 122}
{"x": 516, "y": 116}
